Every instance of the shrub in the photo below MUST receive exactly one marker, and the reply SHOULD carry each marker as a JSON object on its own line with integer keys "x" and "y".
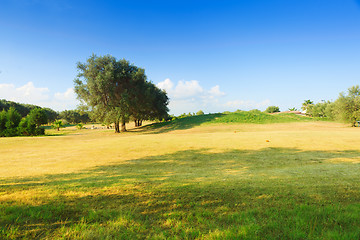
{"x": 200, "y": 112}
{"x": 26, "y": 127}
{"x": 38, "y": 117}
{"x": 272, "y": 109}
{"x": 254, "y": 111}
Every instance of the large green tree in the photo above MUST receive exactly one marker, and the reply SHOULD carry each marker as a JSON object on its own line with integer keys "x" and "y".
{"x": 115, "y": 90}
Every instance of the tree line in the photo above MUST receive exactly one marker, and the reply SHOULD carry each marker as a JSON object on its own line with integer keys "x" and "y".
{"x": 13, "y": 124}
{"x": 346, "y": 108}
{"x": 24, "y": 109}
{"x": 115, "y": 91}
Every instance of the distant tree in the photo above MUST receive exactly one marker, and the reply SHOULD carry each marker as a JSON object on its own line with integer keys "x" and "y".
{"x": 57, "y": 125}
{"x": 24, "y": 109}
{"x": 293, "y": 109}
{"x": 272, "y": 109}
{"x": 51, "y": 114}
{"x": 200, "y": 112}
{"x": 306, "y": 104}
{"x": 321, "y": 109}
{"x": 348, "y": 105}
{"x": 71, "y": 116}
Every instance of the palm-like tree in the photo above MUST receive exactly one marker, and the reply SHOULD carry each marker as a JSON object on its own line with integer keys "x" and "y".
{"x": 306, "y": 104}
{"x": 57, "y": 124}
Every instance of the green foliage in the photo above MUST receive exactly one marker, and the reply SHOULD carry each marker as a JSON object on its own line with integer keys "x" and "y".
{"x": 38, "y": 117}
{"x": 80, "y": 126}
{"x": 57, "y": 125}
{"x": 348, "y": 106}
{"x": 11, "y": 124}
{"x": 322, "y": 110}
{"x": 272, "y": 109}
{"x": 305, "y": 104}
{"x": 293, "y": 109}
{"x": 24, "y": 109}
{"x": 255, "y": 111}
{"x": 13, "y": 119}
{"x": 116, "y": 90}
{"x": 26, "y": 127}
{"x": 200, "y": 112}
{"x": 3, "y": 119}
{"x": 74, "y": 116}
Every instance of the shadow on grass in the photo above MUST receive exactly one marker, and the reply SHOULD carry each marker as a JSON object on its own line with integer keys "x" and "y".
{"x": 180, "y": 124}
{"x": 269, "y": 193}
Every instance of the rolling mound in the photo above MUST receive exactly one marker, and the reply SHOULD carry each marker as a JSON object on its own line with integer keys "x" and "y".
{"x": 252, "y": 117}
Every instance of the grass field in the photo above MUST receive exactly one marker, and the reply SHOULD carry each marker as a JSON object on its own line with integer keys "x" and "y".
{"x": 204, "y": 179}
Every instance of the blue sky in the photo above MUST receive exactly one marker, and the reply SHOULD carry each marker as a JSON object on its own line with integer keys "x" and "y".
{"x": 210, "y": 55}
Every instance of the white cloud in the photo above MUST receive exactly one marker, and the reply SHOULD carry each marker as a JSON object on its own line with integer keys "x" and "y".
{"x": 215, "y": 92}
{"x": 190, "y": 96}
{"x": 26, "y": 94}
{"x": 40, "y": 96}
{"x": 166, "y": 85}
{"x": 186, "y": 89}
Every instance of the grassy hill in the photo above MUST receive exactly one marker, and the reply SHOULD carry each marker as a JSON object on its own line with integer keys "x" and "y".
{"x": 253, "y": 117}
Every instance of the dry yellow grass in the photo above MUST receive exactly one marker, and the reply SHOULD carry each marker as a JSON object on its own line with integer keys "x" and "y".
{"x": 83, "y": 149}
{"x": 224, "y": 181}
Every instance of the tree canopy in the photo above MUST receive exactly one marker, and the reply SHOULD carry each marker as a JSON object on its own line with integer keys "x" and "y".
{"x": 348, "y": 105}
{"x": 117, "y": 91}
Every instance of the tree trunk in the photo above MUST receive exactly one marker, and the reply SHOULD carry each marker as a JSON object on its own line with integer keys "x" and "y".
{"x": 123, "y": 127}
{"x": 117, "y": 128}
{"x": 136, "y": 123}
{"x": 140, "y": 123}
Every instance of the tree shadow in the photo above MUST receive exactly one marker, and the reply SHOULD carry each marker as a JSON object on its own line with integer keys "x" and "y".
{"x": 179, "y": 124}
{"x": 198, "y": 189}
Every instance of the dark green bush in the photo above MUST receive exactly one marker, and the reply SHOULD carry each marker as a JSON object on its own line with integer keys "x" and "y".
{"x": 272, "y": 109}
{"x": 11, "y": 123}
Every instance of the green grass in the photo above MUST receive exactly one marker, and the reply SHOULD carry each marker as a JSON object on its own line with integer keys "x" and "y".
{"x": 252, "y": 117}
{"x": 193, "y": 185}
{"x": 267, "y": 194}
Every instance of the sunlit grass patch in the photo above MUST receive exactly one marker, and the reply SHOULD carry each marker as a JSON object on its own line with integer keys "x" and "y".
{"x": 201, "y": 184}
